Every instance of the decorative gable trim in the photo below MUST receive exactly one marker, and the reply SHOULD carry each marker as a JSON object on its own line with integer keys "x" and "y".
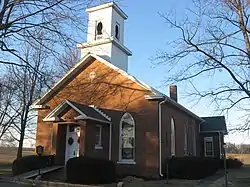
{"x": 88, "y": 57}
{"x": 61, "y": 82}
{"x": 81, "y": 117}
{"x": 52, "y": 116}
{"x": 100, "y": 112}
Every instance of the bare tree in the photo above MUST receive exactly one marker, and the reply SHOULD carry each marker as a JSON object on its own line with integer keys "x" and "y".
{"x": 30, "y": 86}
{"x": 66, "y": 61}
{"x": 7, "y": 97}
{"x": 62, "y": 20}
{"x": 213, "y": 42}
{"x": 22, "y": 87}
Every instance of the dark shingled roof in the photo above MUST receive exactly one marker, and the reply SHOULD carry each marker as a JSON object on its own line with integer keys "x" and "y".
{"x": 89, "y": 111}
{"x": 214, "y": 124}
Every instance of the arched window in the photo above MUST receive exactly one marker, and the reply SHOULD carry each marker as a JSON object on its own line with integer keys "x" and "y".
{"x": 127, "y": 138}
{"x": 117, "y": 34}
{"x": 99, "y": 28}
{"x": 172, "y": 137}
{"x": 185, "y": 140}
{"x": 190, "y": 140}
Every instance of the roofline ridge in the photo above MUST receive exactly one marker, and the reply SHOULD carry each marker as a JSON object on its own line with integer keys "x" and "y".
{"x": 101, "y": 112}
{"x": 45, "y": 96}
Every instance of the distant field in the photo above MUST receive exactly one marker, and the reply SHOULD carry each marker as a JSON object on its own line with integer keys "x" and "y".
{"x": 8, "y": 155}
{"x": 245, "y": 158}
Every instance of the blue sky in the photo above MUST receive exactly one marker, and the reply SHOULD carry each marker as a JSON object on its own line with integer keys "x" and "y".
{"x": 145, "y": 34}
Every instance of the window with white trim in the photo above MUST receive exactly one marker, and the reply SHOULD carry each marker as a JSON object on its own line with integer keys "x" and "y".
{"x": 173, "y": 137}
{"x": 99, "y": 30}
{"x": 208, "y": 146}
{"x": 190, "y": 140}
{"x": 98, "y": 136}
{"x": 127, "y": 139}
{"x": 185, "y": 140}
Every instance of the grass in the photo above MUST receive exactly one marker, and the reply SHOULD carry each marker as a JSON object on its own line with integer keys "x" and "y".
{"x": 7, "y": 156}
{"x": 245, "y": 158}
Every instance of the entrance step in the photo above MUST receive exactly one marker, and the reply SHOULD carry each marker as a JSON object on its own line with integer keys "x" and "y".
{"x": 34, "y": 173}
{"x": 55, "y": 176}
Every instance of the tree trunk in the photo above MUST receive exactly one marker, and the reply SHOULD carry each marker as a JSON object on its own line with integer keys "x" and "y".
{"x": 20, "y": 145}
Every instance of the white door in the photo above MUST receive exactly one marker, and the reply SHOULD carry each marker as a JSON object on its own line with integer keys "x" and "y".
{"x": 72, "y": 145}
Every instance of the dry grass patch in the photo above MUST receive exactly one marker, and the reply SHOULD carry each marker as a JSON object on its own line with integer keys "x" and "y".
{"x": 8, "y": 155}
{"x": 245, "y": 158}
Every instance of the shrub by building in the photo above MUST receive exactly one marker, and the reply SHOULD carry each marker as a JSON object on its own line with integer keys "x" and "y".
{"x": 232, "y": 163}
{"x": 29, "y": 163}
{"x": 196, "y": 167}
{"x": 85, "y": 170}
{"x": 190, "y": 167}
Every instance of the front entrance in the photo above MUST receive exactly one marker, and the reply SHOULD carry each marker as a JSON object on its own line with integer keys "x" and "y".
{"x": 72, "y": 147}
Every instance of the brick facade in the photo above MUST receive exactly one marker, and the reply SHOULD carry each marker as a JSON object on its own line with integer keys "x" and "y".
{"x": 115, "y": 94}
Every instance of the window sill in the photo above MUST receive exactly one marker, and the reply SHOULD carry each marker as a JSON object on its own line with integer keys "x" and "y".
{"x": 126, "y": 162}
{"x": 98, "y": 147}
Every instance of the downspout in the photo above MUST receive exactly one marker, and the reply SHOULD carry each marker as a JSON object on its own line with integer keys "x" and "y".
{"x": 160, "y": 127}
{"x": 110, "y": 140}
{"x": 220, "y": 143}
{"x": 203, "y": 151}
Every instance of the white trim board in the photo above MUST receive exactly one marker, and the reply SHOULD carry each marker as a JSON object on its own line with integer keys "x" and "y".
{"x": 208, "y": 139}
{"x": 87, "y": 58}
{"x": 99, "y": 146}
{"x": 107, "y": 5}
{"x": 52, "y": 116}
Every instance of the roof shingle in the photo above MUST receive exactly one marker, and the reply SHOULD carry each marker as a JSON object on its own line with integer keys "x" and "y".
{"x": 213, "y": 124}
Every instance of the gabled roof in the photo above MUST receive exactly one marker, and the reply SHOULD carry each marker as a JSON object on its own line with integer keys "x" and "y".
{"x": 89, "y": 57}
{"x": 85, "y": 112}
{"x": 76, "y": 69}
{"x": 214, "y": 124}
{"x": 173, "y": 102}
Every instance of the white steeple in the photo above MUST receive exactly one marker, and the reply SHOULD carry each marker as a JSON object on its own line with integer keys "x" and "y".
{"x": 106, "y": 35}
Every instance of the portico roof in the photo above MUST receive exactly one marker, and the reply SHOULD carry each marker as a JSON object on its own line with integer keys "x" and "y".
{"x": 85, "y": 112}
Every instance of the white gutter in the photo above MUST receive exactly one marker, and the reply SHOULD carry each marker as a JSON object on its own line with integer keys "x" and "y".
{"x": 220, "y": 143}
{"x": 160, "y": 127}
{"x": 155, "y": 97}
{"x": 167, "y": 99}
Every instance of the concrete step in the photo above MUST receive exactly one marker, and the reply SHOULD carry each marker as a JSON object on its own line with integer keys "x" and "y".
{"x": 34, "y": 173}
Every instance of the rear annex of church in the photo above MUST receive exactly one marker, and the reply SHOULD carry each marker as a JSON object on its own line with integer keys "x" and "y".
{"x": 99, "y": 110}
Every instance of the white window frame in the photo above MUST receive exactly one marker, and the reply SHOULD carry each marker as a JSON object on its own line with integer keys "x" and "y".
{"x": 98, "y": 36}
{"x": 194, "y": 140}
{"x": 122, "y": 160}
{"x": 185, "y": 140}
{"x": 99, "y": 145}
{"x": 172, "y": 137}
{"x": 208, "y": 139}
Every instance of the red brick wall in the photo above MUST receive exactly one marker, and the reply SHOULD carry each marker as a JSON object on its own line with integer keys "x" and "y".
{"x": 180, "y": 119}
{"x": 110, "y": 90}
{"x": 90, "y": 141}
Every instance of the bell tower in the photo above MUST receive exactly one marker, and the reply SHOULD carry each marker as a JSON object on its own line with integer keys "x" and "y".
{"x": 106, "y": 35}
